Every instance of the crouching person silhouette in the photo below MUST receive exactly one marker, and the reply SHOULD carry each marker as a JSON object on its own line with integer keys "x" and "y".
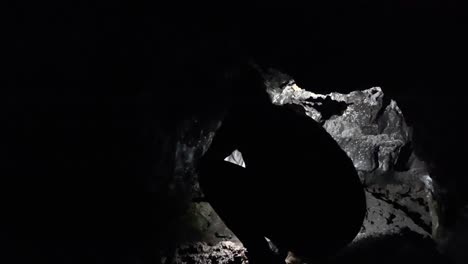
{"x": 299, "y": 189}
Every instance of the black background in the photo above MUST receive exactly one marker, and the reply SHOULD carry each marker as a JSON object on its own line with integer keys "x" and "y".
{"x": 91, "y": 91}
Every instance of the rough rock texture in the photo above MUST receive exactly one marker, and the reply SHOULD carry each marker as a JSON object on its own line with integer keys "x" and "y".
{"x": 194, "y": 138}
{"x": 200, "y": 235}
{"x": 201, "y": 223}
{"x": 384, "y": 216}
{"x": 202, "y": 253}
{"x": 372, "y": 131}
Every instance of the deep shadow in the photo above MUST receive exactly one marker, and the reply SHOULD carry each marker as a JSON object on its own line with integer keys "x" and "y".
{"x": 404, "y": 247}
{"x": 402, "y": 163}
{"x": 77, "y": 149}
{"x": 299, "y": 188}
{"x": 328, "y": 107}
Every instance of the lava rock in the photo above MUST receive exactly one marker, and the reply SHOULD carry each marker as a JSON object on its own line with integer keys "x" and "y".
{"x": 386, "y": 217}
{"x": 373, "y": 132}
{"x": 202, "y": 253}
{"x": 201, "y": 223}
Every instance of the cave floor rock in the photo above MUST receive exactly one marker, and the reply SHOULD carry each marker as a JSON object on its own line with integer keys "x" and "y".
{"x": 371, "y": 129}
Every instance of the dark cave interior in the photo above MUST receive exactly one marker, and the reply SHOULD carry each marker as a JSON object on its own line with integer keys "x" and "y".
{"x": 96, "y": 97}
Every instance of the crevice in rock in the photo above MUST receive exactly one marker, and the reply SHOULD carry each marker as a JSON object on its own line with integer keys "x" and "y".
{"x": 390, "y": 219}
{"x": 402, "y": 163}
{"x": 375, "y": 156}
{"x": 328, "y": 107}
{"x": 369, "y": 127}
{"x": 385, "y": 102}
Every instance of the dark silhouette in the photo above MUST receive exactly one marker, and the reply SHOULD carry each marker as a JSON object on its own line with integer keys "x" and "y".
{"x": 299, "y": 188}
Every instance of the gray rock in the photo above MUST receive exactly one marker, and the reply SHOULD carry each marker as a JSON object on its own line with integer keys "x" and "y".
{"x": 194, "y": 138}
{"x": 360, "y": 130}
{"x": 384, "y": 218}
{"x": 373, "y": 135}
{"x": 200, "y": 222}
{"x": 201, "y": 253}
{"x": 200, "y": 232}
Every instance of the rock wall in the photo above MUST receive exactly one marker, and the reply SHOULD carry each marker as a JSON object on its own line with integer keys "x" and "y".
{"x": 368, "y": 126}
{"x": 372, "y": 130}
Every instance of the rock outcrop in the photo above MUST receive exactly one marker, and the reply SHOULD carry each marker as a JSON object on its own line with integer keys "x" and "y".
{"x": 373, "y": 132}
{"x": 370, "y": 128}
{"x": 201, "y": 253}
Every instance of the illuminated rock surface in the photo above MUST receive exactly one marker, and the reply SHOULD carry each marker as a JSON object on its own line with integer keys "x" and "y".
{"x": 222, "y": 253}
{"x": 377, "y": 139}
{"x": 370, "y": 128}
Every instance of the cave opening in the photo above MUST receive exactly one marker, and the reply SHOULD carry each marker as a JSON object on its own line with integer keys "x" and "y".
{"x": 108, "y": 109}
